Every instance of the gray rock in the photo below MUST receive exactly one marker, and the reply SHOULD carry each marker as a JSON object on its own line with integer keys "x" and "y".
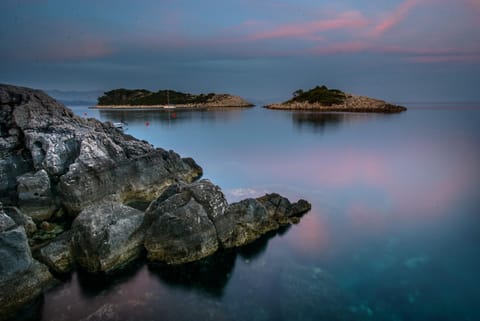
{"x": 191, "y": 221}
{"x": 106, "y": 236}
{"x": 34, "y": 195}
{"x": 23, "y": 287}
{"x": 22, "y": 279}
{"x": 57, "y": 255}
{"x": 281, "y": 210}
{"x": 22, "y": 219}
{"x": 85, "y": 159}
{"x": 14, "y": 252}
{"x": 6, "y": 222}
{"x": 249, "y": 219}
{"x": 243, "y": 223}
{"x": 183, "y": 229}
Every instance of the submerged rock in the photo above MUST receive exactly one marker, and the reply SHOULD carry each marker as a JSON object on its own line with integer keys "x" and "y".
{"x": 106, "y": 236}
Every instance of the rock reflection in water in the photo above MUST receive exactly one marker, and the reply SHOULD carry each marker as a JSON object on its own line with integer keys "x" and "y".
{"x": 319, "y": 121}
{"x": 153, "y": 116}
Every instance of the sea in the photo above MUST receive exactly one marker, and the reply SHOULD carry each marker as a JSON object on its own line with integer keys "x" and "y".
{"x": 393, "y": 234}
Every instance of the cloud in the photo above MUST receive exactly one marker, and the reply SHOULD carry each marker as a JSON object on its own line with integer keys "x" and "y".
{"x": 392, "y": 19}
{"x": 310, "y": 30}
{"x": 84, "y": 49}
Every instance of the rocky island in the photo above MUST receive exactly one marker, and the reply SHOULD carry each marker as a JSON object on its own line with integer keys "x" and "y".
{"x": 334, "y": 100}
{"x": 141, "y": 98}
{"x": 70, "y": 189}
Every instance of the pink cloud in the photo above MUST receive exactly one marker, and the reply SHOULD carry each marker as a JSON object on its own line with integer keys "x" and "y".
{"x": 341, "y": 48}
{"x": 346, "y": 20}
{"x": 395, "y": 17}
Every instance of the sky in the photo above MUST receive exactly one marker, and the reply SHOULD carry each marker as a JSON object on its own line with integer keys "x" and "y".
{"x": 398, "y": 50}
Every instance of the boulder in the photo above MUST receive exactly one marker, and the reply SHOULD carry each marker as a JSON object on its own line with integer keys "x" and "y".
{"x": 57, "y": 255}
{"x": 182, "y": 228}
{"x": 80, "y": 161}
{"x": 22, "y": 279}
{"x": 244, "y": 222}
{"x": 23, "y": 287}
{"x": 14, "y": 250}
{"x": 6, "y": 222}
{"x": 281, "y": 210}
{"x": 107, "y": 235}
{"x": 34, "y": 195}
{"x": 22, "y": 219}
{"x": 247, "y": 220}
{"x": 191, "y": 221}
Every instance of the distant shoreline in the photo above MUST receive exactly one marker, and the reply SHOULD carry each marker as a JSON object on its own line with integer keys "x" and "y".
{"x": 163, "y": 107}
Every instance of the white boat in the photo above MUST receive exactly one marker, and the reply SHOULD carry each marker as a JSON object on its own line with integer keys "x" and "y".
{"x": 120, "y": 125}
{"x": 168, "y": 106}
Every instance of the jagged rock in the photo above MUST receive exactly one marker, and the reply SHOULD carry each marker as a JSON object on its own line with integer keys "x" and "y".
{"x": 25, "y": 287}
{"x": 191, "y": 221}
{"x": 247, "y": 220}
{"x": 22, "y": 219}
{"x": 6, "y": 222}
{"x": 183, "y": 229}
{"x": 106, "y": 236}
{"x": 34, "y": 195}
{"x": 281, "y": 210}
{"x": 57, "y": 255}
{"x": 85, "y": 159}
{"x": 243, "y": 223}
{"x": 14, "y": 250}
{"x": 22, "y": 279}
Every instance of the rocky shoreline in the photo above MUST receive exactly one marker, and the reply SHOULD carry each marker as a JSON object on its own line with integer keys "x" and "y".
{"x": 352, "y": 103}
{"x": 65, "y": 188}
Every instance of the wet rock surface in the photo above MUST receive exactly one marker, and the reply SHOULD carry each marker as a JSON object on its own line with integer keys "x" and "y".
{"x": 107, "y": 235}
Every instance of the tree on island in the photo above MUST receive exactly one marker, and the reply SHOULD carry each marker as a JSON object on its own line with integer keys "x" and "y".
{"x": 321, "y": 95}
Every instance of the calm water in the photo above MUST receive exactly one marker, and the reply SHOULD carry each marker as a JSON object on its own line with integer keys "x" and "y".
{"x": 393, "y": 233}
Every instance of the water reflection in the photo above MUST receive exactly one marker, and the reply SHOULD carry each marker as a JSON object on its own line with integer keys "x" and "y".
{"x": 212, "y": 274}
{"x": 159, "y": 116}
{"x": 320, "y": 121}
{"x": 208, "y": 276}
{"x": 391, "y": 195}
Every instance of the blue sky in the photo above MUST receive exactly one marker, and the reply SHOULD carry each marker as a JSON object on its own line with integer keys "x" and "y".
{"x": 400, "y": 50}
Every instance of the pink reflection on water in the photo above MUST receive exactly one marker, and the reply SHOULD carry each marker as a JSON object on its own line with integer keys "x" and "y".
{"x": 313, "y": 236}
{"x": 422, "y": 178}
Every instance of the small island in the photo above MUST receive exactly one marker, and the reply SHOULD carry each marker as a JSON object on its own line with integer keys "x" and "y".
{"x": 321, "y": 98}
{"x": 142, "y": 98}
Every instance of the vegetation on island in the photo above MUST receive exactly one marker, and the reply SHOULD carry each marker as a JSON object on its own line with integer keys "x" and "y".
{"x": 140, "y": 97}
{"x": 322, "y": 95}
